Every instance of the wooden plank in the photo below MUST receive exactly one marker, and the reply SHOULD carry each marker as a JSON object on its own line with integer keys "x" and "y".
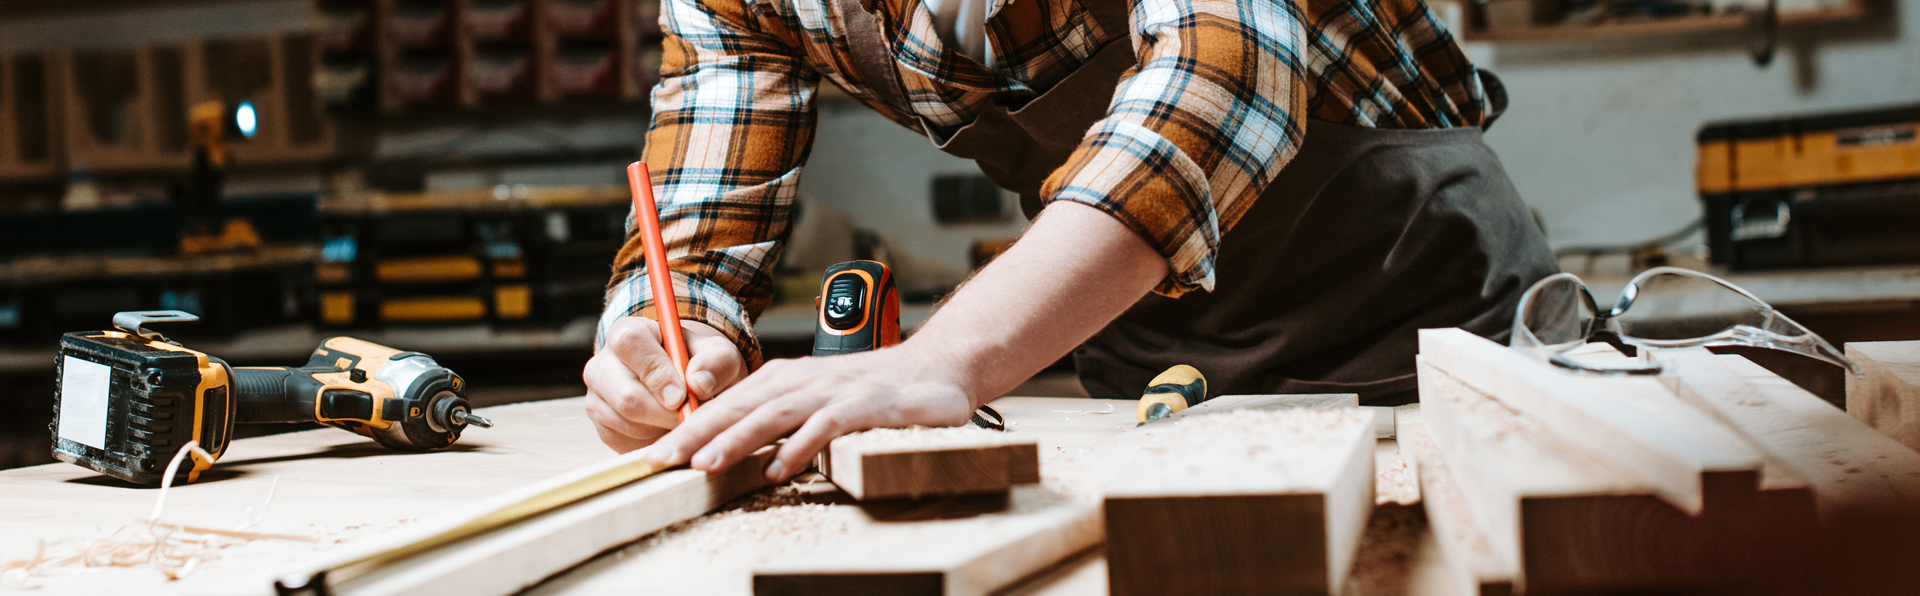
{"x": 335, "y": 485}
{"x": 1633, "y": 423}
{"x": 1865, "y": 484}
{"x": 1574, "y": 522}
{"x": 1476, "y": 570}
{"x": 1245, "y": 503}
{"x": 927, "y": 462}
{"x": 513, "y": 558}
{"x": 971, "y": 545}
{"x": 967, "y": 554}
{"x": 1888, "y": 399}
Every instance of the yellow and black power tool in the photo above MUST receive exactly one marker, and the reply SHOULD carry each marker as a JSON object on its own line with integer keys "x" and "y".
{"x": 128, "y": 399}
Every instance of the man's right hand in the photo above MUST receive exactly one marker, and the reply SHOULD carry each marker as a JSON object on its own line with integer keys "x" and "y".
{"x": 633, "y": 391}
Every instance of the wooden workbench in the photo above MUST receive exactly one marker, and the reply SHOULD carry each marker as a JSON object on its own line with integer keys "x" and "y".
{"x": 338, "y": 486}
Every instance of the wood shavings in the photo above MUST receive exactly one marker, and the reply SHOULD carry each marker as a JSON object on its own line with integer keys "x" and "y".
{"x": 753, "y": 527}
{"x": 1386, "y": 552}
{"x": 174, "y": 550}
{"x": 1261, "y": 439}
{"x": 1394, "y": 482}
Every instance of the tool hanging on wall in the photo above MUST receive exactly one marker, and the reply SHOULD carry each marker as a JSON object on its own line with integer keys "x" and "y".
{"x": 210, "y": 125}
{"x": 128, "y": 398}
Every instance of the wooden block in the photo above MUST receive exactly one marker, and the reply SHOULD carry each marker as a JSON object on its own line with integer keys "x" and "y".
{"x": 1888, "y": 399}
{"x": 1634, "y": 424}
{"x": 925, "y": 462}
{"x": 1572, "y": 521}
{"x": 951, "y": 551}
{"x": 1476, "y": 569}
{"x": 1241, "y": 503}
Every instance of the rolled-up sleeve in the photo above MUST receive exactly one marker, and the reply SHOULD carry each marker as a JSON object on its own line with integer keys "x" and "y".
{"x": 1213, "y": 110}
{"x": 733, "y": 121}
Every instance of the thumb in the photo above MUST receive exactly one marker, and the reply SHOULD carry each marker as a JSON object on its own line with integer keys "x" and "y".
{"x": 701, "y": 383}
{"x": 673, "y": 394}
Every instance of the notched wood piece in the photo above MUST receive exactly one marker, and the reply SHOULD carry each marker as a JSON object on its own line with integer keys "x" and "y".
{"x": 1635, "y": 424}
{"x": 927, "y": 462}
{"x": 1866, "y": 484}
{"x": 1573, "y": 522}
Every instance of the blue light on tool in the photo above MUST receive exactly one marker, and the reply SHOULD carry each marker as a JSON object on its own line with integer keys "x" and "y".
{"x": 246, "y": 119}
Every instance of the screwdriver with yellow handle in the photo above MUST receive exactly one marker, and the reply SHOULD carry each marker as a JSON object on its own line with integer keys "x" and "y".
{"x": 1177, "y": 389}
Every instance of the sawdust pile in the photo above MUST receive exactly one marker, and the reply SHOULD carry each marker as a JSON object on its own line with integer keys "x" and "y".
{"x": 174, "y": 550}
{"x": 1394, "y": 481}
{"x": 1262, "y": 440}
{"x": 1386, "y": 551}
{"x": 763, "y": 523}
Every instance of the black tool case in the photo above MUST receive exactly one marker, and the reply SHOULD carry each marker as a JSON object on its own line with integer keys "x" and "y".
{"x": 1809, "y": 191}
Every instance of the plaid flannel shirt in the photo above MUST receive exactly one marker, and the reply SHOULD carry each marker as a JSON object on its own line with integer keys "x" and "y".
{"x": 1215, "y": 107}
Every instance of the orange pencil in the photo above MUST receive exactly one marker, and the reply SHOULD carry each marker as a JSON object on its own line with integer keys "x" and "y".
{"x": 666, "y": 310}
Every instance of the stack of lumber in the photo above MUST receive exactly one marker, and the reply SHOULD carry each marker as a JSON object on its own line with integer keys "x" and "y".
{"x": 1714, "y": 475}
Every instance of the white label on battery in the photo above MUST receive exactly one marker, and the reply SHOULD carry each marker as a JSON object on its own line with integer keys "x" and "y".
{"x": 83, "y": 402}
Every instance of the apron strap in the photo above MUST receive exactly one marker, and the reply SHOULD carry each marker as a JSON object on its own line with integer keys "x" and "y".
{"x": 871, "y": 59}
{"x": 1496, "y": 93}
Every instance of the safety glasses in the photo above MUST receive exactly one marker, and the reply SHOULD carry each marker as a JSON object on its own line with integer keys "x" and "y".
{"x": 1663, "y": 307}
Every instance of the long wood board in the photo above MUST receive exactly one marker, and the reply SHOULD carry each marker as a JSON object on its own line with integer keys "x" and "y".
{"x": 334, "y": 485}
{"x": 1633, "y": 423}
{"x": 1575, "y": 522}
{"x": 1866, "y": 485}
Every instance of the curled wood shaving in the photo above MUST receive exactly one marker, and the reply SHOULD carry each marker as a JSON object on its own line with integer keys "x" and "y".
{"x": 172, "y": 549}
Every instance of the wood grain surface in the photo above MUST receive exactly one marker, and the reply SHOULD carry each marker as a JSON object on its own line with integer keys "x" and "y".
{"x": 1888, "y": 399}
{"x": 1865, "y": 484}
{"x": 332, "y": 484}
{"x": 1475, "y": 568}
{"x": 1633, "y": 423}
{"x": 1240, "y": 503}
{"x": 1575, "y": 522}
{"x": 929, "y": 462}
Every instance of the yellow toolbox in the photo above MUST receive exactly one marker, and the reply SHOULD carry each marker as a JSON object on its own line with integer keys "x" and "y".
{"x": 1812, "y": 190}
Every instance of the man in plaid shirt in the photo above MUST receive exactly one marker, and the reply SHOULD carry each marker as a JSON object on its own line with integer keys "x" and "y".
{"x": 1336, "y": 139}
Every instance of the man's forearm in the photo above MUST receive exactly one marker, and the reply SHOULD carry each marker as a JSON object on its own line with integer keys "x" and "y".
{"x": 1074, "y": 271}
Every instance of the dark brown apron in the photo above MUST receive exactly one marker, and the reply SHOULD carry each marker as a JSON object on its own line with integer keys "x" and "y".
{"x": 1365, "y": 237}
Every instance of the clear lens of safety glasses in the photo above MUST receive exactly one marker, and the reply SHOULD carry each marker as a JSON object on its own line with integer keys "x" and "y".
{"x": 1664, "y": 307}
